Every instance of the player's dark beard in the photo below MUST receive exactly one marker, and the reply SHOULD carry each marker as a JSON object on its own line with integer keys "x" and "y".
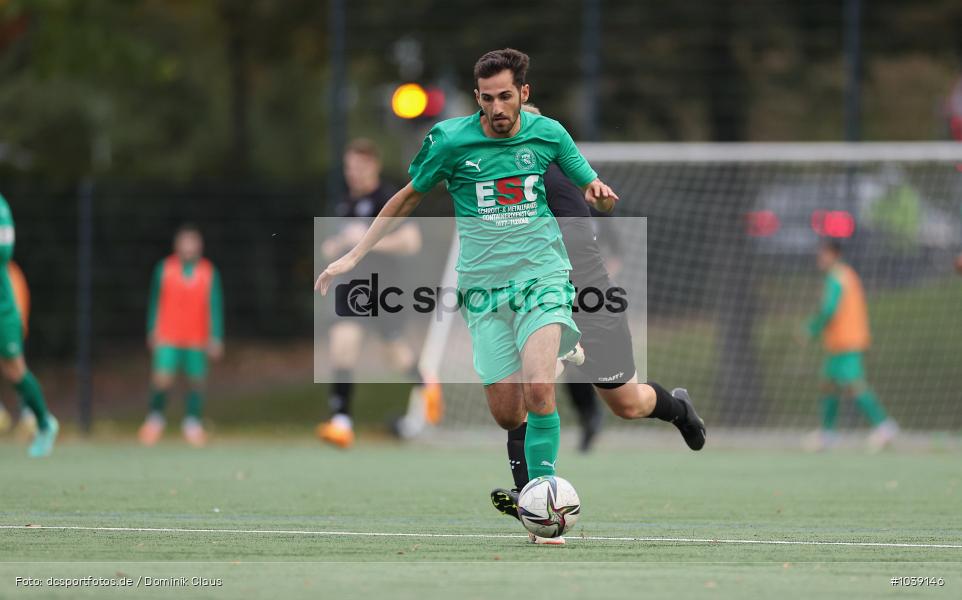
{"x": 502, "y": 123}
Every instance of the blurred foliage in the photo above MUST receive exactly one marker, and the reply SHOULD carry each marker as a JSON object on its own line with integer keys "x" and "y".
{"x": 176, "y": 90}
{"x": 218, "y": 112}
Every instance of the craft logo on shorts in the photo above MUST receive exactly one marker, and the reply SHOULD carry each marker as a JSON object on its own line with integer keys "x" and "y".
{"x": 524, "y": 158}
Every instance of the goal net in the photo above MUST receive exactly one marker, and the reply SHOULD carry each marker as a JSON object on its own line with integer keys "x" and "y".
{"x": 732, "y": 231}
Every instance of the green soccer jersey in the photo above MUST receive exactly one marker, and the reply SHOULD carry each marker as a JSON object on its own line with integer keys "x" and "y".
{"x": 7, "y": 237}
{"x": 506, "y": 230}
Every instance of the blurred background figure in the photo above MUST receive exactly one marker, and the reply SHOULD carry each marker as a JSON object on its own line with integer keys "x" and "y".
{"x": 12, "y": 364}
{"x": 842, "y": 323}
{"x": 26, "y": 426}
{"x": 185, "y": 326}
{"x": 366, "y": 195}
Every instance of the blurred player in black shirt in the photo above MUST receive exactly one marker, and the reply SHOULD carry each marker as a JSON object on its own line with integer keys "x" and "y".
{"x": 367, "y": 195}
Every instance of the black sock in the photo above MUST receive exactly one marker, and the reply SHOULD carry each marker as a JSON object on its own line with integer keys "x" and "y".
{"x": 341, "y": 388}
{"x": 519, "y": 467}
{"x": 667, "y": 407}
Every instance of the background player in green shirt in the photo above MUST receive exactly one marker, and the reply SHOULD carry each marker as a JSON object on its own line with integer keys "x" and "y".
{"x": 512, "y": 256}
{"x": 12, "y": 363}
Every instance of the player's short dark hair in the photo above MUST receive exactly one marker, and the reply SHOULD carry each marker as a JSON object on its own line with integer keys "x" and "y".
{"x": 364, "y": 147}
{"x": 832, "y": 245}
{"x": 187, "y": 228}
{"x": 496, "y": 61}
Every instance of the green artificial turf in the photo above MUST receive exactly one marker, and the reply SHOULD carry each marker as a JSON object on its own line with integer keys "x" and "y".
{"x": 262, "y": 485}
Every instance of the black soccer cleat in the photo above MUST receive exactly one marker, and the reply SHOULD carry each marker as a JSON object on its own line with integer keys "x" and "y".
{"x": 506, "y": 501}
{"x": 691, "y": 426}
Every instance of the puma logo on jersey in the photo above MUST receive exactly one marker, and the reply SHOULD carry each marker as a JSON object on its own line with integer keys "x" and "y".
{"x": 545, "y": 463}
{"x": 476, "y": 165}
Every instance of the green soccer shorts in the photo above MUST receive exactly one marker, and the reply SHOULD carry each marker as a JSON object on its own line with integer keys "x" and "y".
{"x": 844, "y": 368}
{"x": 501, "y": 320}
{"x": 11, "y": 334}
{"x": 171, "y": 360}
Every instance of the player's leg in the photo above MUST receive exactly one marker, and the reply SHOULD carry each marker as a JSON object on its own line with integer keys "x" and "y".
{"x": 633, "y": 400}
{"x": 165, "y": 364}
{"x": 15, "y": 370}
{"x": 827, "y": 435}
{"x": 346, "y": 339}
{"x": 543, "y": 435}
{"x": 589, "y": 416}
{"x": 403, "y": 359}
{"x": 6, "y": 421}
{"x": 195, "y": 368}
{"x": 851, "y": 372}
{"x": 610, "y": 366}
{"x": 506, "y": 403}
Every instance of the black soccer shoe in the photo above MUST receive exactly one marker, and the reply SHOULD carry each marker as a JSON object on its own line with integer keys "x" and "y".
{"x": 691, "y": 426}
{"x": 506, "y": 501}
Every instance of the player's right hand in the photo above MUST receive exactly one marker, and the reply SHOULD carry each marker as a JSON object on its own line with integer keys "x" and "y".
{"x": 339, "y": 267}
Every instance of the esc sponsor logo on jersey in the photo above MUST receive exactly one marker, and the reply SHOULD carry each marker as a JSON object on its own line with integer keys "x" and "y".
{"x": 507, "y": 191}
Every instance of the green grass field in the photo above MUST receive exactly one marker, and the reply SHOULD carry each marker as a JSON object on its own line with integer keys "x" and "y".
{"x": 273, "y": 509}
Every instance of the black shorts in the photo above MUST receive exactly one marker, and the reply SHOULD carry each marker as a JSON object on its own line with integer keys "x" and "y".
{"x": 605, "y": 335}
{"x": 609, "y": 354}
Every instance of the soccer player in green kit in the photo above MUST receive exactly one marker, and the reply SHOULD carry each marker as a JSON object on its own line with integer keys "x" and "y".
{"x": 512, "y": 254}
{"x": 12, "y": 364}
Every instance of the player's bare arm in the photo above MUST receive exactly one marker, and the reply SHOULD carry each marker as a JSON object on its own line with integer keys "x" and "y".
{"x": 400, "y": 205}
{"x": 405, "y": 240}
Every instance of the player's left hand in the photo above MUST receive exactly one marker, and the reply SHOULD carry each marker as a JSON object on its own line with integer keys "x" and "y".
{"x": 215, "y": 349}
{"x": 600, "y": 196}
{"x": 340, "y": 266}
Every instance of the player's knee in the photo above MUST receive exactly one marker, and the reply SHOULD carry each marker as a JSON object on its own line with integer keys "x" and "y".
{"x": 626, "y": 410}
{"x": 13, "y": 369}
{"x": 162, "y": 381}
{"x": 540, "y": 397}
{"x": 508, "y": 421}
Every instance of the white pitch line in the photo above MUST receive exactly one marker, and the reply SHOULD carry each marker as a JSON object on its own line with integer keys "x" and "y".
{"x": 481, "y": 536}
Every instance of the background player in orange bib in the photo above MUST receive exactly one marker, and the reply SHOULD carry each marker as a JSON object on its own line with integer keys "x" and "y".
{"x": 842, "y": 324}
{"x": 185, "y": 326}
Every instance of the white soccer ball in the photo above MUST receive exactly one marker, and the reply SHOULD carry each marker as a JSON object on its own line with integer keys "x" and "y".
{"x": 549, "y": 506}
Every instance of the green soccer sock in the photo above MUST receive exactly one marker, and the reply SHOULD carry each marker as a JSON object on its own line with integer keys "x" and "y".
{"x": 868, "y": 403}
{"x": 195, "y": 404}
{"x": 158, "y": 401}
{"x": 32, "y": 396}
{"x": 541, "y": 443}
{"x": 829, "y": 412}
